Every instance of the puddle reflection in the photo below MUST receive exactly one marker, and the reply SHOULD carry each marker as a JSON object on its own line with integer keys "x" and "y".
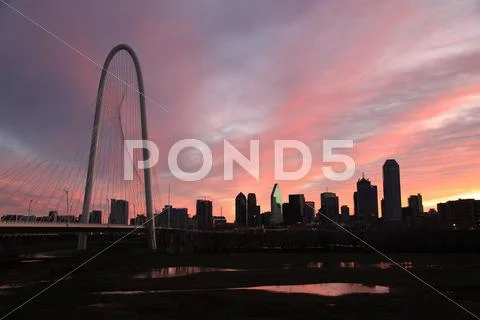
{"x": 178, "y": 272}
{"x": 319, "y": 289}
{"x": 382, "y": 265}
{"x": 324, "y": 289}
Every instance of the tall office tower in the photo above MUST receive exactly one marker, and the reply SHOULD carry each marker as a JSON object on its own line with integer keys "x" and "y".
{"x": 179, "y": 218}
{"x": 329, "y": 205}
{"x": 276, "y": 203}
{"x": 309, "y": 212}
{"x": 176, "y": 218}
{"x": 296, "y": 208}
{"x": 118, "y": 212}
{"x": 366, "y": 201}
{"x": 252, "y": 211}
{"x": 204, "y": 215}
{"x": 241, "y": 210}
{"x": 391, "y": 191}
{"x": 415, "y": 203}
{"x": 345, "y": 214}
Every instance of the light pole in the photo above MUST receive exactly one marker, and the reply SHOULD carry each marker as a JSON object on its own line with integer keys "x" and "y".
{"x": 29, "y": 209}
{"x": 68, "y": 205}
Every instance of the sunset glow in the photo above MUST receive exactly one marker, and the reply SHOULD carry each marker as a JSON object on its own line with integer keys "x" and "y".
{"x": 402, "y": 79}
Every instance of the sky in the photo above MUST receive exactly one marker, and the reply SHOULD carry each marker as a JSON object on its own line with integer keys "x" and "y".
{"x": 401, "y": 78}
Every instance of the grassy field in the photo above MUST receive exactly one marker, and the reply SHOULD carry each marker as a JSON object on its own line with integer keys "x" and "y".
{"x": 457, "y": 275}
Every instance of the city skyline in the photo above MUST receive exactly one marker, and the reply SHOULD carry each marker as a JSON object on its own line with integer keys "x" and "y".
{"x": 245, "y": 159}
{"x": 232, "y": 218}
{"x": 416, "y": 121}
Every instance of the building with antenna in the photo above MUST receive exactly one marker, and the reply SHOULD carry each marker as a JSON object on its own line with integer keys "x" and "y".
{"x": 365, "y": 201}
{"x": 170, "y": 217}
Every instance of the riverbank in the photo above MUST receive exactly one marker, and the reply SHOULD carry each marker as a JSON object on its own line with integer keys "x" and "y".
{"x": 150, "y": 285}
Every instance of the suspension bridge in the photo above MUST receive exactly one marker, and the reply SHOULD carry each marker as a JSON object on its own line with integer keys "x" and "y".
{"x": 63, "y": 192}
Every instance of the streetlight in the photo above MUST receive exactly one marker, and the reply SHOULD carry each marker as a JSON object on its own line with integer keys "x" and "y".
{"x": 68, "y": 206}
{"x": 29, "y": 209}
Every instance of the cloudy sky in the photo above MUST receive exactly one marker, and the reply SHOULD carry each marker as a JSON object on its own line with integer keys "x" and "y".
{"x": 399, "y": 77}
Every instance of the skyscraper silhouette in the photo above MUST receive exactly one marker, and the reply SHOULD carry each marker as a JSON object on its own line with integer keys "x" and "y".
{"x": 118, "y": 212}
{"x": 329, "y": 205}
{"x": 253, "y": 211}
{"x": 241, "y": 210}
{"x": 309, "y": 212}
{"x": 415, "y": 203}
{"x": 276, "y": 203}
{"x": 392, "y": 209}
{"x": 460, "y": 214}
{"x": 204, "y": 215}
{"x": 345, "y": 214}
{"x": 365, "y": 201}
{"x": 176, "y": 218}
{"x": 296, "y": 209}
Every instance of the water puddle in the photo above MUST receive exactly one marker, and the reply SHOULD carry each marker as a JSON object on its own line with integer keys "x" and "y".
{"x": 180, "y": 271}
{"x": 348, "y": 265}
{"x": 5, "y": 288}
{"x": 31, "y": 261}
{"x": 319, "y": 289}
{"x": 38, "y": 256}
{"x": 316, "y": 265}
{"x": 137, "y": 292}
{"x": 46, "y": 255}
{"x": 10, "y": 286}
{"x": 324, "y": 289}
{"x": 382, "y": 265}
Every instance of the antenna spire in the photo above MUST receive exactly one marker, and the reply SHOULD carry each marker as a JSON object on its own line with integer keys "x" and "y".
{"x": 169, "y": 194}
